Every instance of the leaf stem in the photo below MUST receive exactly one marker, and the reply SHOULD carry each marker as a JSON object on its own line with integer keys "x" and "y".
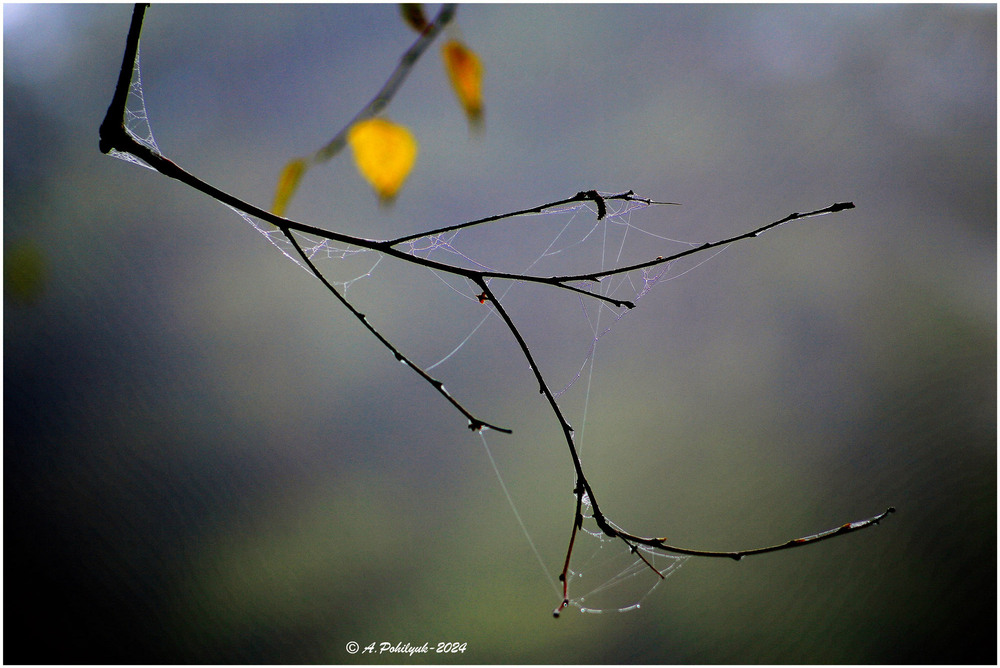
{"x": 396, "y": 79}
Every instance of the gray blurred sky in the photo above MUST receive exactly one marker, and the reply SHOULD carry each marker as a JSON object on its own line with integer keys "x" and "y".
{"x": 206, "y": 460}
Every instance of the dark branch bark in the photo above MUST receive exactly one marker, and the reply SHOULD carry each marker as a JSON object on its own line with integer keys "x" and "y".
{"x": 114, "y": 120}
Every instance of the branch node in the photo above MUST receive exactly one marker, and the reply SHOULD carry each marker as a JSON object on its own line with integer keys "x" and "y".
{"x": 602, "y": 210}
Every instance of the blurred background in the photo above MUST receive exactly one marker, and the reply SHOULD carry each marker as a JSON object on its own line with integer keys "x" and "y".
{"x": 207, "y": 460}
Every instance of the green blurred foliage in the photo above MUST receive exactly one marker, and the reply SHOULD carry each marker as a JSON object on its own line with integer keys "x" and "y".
{"x": 24, "y": 271}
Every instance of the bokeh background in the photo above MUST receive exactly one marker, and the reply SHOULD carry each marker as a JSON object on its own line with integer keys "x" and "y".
{"x": 207, "y": 460}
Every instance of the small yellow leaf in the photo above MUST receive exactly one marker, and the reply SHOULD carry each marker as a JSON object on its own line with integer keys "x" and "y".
{"x": 466, "y": 75}
{"x": 384, "y": 153}
{"x": 413, "y": 14}
{"x": 287, "y": 183}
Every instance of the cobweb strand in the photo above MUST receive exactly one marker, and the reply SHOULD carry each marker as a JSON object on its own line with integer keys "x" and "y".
{"x": 136, "y": 119}
{"x": 609, "y": 575}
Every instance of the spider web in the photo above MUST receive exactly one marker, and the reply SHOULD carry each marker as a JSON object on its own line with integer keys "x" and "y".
{"x": 137, "y": 119}
{"x": 614, "y": 577}
{"x": 606, "y": 575}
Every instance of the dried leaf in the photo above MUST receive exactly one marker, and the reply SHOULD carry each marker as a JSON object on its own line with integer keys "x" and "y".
{"x": 287, "y": 183}
{"x": 384, "y": 153}
{"x": 466, "y": 74}
{"x": 413, "y": 14}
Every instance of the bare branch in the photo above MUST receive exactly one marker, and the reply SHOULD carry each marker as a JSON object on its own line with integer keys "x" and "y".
{"x": 579, "y": 197}
{"x": 114, "y": 120}
{"x": 114, "y": 137}
{"x": 475, "y": 424}
{"x": 596, "y": 276}
{"x": 850, "y": 527}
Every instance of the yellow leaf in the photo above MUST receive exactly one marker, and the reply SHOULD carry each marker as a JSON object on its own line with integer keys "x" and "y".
{"x": 466, "y": 75}
{"x": 384, "y": 153}
{"x": 287, "y": 183}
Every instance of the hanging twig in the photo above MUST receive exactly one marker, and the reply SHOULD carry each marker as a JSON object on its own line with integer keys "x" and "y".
{"x": 396, "y": 79}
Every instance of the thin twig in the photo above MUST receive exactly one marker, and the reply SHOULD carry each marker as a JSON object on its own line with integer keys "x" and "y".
{"x": 579, "y": 197}
{"x": 597, "y": 276}
{"x": 475, "y": 424}
{"x": 850, "y": 527}
{"x": 396, "y": 79}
